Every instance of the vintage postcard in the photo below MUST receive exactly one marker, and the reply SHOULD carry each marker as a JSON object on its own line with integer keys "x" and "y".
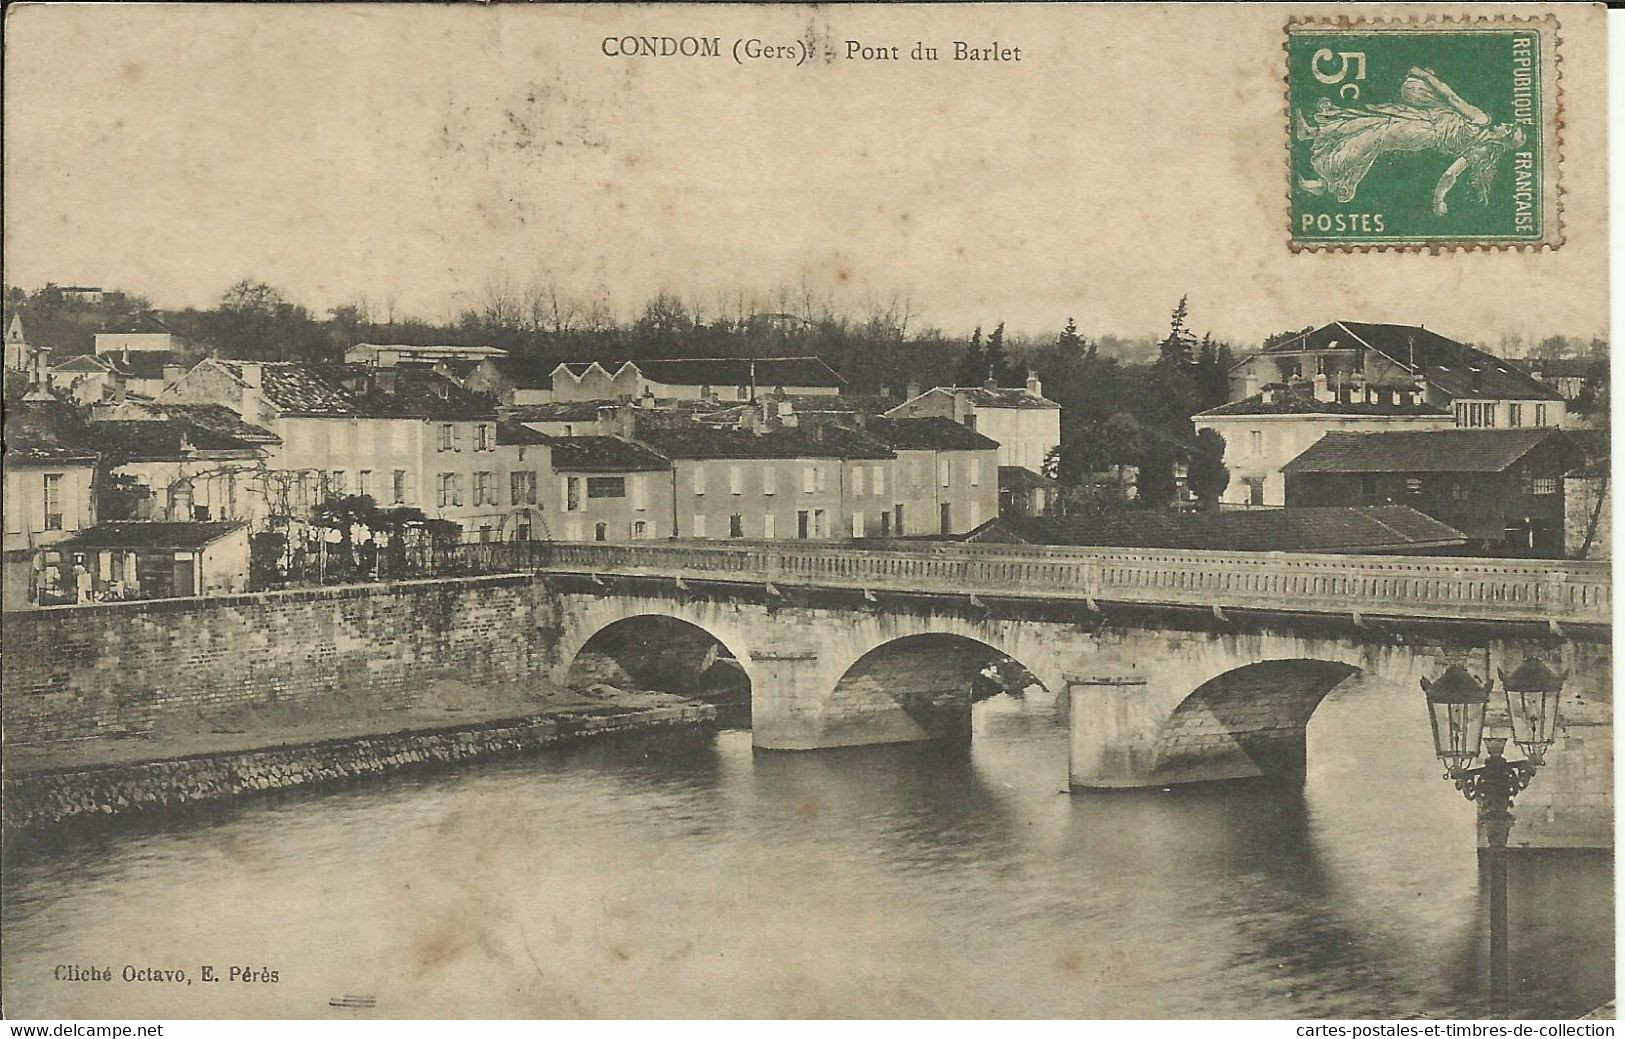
{"x": 779, "y": 511}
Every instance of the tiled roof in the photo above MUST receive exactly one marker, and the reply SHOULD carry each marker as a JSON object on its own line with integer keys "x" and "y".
{"x": 838, "y": 403}
{"x": 558, "y": 411}
{"x": 989, "y": 397}
{"x": 1287, "y": 401}
{"x": 1020, "y": 478}
{"x": 702, "y": 442}
{"x": 1379, "y": 528}
{"x": 512, "y": 434}
{"x": 1456, "y": 368}
{"x": 604, "y": 454}
{"x": 219, "y": 419}
{"x": 194, "y": 534}
{"x": 928, "y": 434}
{"x": 143, "y": 364}
{"x": 145, "y": 323}
{"x": 163, "y": 440}
{"x": 340, "y": 390}
{"x": 1424, "y": 451}
{"x": 45, "y": 431}
{"x": 85, "y": 363}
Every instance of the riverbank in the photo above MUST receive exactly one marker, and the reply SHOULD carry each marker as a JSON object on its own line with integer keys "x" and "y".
{"x": 277, "y": 748}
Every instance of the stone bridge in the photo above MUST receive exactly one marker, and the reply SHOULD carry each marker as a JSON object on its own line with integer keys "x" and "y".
{"x": 1175, "y": 666}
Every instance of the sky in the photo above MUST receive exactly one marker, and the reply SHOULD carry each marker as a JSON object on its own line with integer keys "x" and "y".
{"x": 416, "y": 155}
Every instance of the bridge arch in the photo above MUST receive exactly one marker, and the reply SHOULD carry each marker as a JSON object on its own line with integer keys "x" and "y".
{"x": 917, "y": 686}
{"x": 612, "y": 621}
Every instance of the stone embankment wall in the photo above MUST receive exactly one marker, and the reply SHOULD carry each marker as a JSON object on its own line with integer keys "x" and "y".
{"x": 81, "y": 671}
{"x": 42, "y": 798}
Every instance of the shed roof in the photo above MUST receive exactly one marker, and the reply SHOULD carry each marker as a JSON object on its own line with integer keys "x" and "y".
{"x": 1426, "y": 451}
{"x": 135, "y": 534}
{"x": 1379, "y": 528}
{"x": 936, "y": 433}
{"x": 604, "y": 454}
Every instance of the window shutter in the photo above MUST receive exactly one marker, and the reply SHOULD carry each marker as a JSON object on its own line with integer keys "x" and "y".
{"x": 975, "y": 472}
{"x": 767, "y": 525}
{"x": 770, "y": 479}
{"x": 879, "y": 480}
{"x": 808, "y": 479}
{"x": 736, "y": 480}
{"x": 457, "y": 489}
{"x": 857, "y": 524}
{"x": 857, "y": 481}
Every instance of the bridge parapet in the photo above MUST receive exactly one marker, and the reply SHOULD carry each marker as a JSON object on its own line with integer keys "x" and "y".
{"x": 1457, "y": 588}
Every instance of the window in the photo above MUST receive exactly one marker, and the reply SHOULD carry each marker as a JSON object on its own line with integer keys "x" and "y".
{"x": 857, "y": 524}
{"x": 1543, "y": 485}
{"x": 1489, "y": 414}
{"x": 699, "y": 479}
{"x": 767, "y": 525}
{"x": 521, "y": 531}
{"x": 363, "y": 482}
{"x": 1255, "y": 489}
{"x": 1255, "y": 441}
{"x": 898, "y": 519}
{"x": 736, "y": 480}
{"x": 820, "y": 473}
{"x": 336, "y": 483}
{"x": 1514, "y": 414}
{"x": 944, "y": 473}
{"x": 522, "y": 488}
{"x": 743, "y": 393}
{"x": 485, "y": 490}
{"x": 1461, "y": 413}
{"x": 397, "y": 486}
{"x": 809, "y": 479}
{"x": 446, "y": 485}
{"x": 879, "y": 480}
{"x": 699, "y": 525}
{"x": 53, "y": 501}
{"x": 820, "y": 524}
{"x": 885, "y": 524}
{"x": 483, "y": 440}
{"x": 857, "y": 481}
{"x": 640, "y": 530}
{"x": 447, "y": 436}
{"x": 485, "y": 533}
{"x": 606, "y": 486}
{"x": 946, "y": 518}
{"x": 975, "y": 472}
{"x": 736, "y": 526}
{"x": 1458, "y": 491}
{"x": 770, "y": 480}
{"x": 1540, "y": 414}
{"x": 802, "y": 517}
{"x": 1413, "y": 485}
{"x": 640, "y": 495}
{"x": 572, "y": 494}
{"x": 600, "y": 531}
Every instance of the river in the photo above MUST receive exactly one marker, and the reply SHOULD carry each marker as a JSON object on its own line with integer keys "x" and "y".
{"x": 683, "y": 875}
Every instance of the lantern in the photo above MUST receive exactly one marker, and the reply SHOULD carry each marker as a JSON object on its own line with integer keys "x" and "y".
{"x": 1456, "y": 706}
{"x": 1533, "y": 691}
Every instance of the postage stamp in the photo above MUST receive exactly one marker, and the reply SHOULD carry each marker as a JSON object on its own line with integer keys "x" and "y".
{"x": 1425, "y": 134}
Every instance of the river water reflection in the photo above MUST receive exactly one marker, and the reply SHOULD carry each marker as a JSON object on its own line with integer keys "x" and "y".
{"x": 684, "y": 875}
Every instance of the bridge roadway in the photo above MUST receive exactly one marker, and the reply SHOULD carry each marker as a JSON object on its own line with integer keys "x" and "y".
{"x": 1430, "y": 587}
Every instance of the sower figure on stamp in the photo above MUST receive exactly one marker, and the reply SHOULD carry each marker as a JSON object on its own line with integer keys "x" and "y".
{"x": 1428, "y": 117}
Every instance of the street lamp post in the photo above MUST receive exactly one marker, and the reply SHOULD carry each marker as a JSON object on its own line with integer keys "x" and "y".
{"x": 1457, "y": 703}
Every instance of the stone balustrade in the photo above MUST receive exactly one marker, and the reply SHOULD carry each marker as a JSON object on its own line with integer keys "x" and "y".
{"x": 1408, "y": 586}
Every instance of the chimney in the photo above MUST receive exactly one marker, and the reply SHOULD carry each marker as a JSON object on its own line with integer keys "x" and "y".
{"x": 962, "y": 409}
{"x": 42, "y": 367}
{"x": 648, "y": 398}
{"x": 990, "y": 383}
{"x": 172, "y": 374}
{"x": 1321, "y": 390}
{"x": 252, "y": 374}
{"x": 1034, "y": 386}
{"x": 1268, "y": 395}
{"x": 385, "y": 380}
{"x": 817, "y": 427}
{"x": 1250, "y": 385}
{"x": 628, "y": 422}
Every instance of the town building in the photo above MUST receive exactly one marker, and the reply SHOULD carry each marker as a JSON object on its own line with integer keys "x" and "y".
{"x": 1025, "y": 423}
{"x": 514, "y": 381}
{"x": 184, "y": 461}
{"x": 695, "y": 378}
{"x": 1365, "y": 362}
{"x": 49, "y": 482}
{"x": 401, "y": 434}
{"x": 524, "y": 481}
{"x": 818, "y": 481}
{"x": 144, "y": 333}
{"x": 401, "y": 353}
{"x": 154, "y": 560}
{"x": 1273, "y": 426}
{"x": 1023, "y": 492}
{"x": 90, "y": 378}
{"x": 606, "y": 488}
{"x": 1378, "y": 530}
{"x": 1502, "y": 488}
{"x": 562, "y": 418}
{"x": 945, "y": 480}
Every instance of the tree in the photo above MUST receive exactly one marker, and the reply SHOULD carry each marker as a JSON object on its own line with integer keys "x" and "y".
{"x": 1156, "y": 486}
{"x": 972, "y": 363}
{"x": 998, "y": 365}
{"x": 1208, "y": 476}
{"x": 1177, "y": 349}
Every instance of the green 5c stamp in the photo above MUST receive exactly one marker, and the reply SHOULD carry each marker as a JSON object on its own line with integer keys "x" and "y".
{"x": 1429, "y": 134}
